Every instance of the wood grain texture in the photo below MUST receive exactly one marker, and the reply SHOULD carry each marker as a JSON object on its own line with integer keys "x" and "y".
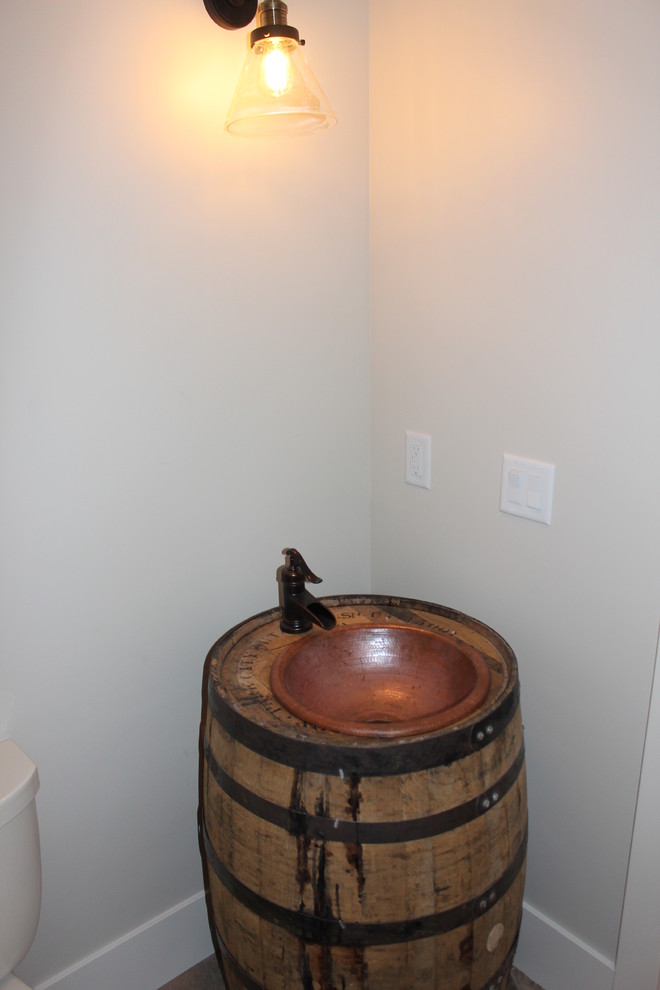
{"x": 338, "y": 864}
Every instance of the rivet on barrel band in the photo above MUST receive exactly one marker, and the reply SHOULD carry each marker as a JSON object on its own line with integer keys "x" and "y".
{"x": 330, "y": 931}
{"x": 248, "y": 983}
{"x": 299, "y": 822}
{"x": 320, "y": 757}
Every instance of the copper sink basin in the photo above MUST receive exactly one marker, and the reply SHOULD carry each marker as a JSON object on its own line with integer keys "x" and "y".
{"x": 381, "y": 681}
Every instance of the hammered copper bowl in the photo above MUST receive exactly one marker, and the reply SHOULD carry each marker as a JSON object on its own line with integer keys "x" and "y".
{"x": 381, "y": 681}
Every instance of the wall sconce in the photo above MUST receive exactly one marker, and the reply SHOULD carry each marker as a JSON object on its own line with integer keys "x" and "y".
{"x": 277, "y": 93}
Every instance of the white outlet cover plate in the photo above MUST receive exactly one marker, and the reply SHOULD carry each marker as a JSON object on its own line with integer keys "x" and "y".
{"x": 527, "y": 488}
{"x": 418, "y": 459}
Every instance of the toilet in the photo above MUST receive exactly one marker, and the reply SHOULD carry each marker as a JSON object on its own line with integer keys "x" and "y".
{"x": 20, "y": 860}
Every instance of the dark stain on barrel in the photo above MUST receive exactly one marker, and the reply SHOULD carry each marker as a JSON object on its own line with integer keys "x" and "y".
{"x": 354, "y": 797}
{"x": 359, "y": 966}
{"x": 466, "y": 949}
{"x": 322, "y": 893}
{"x": 305, "y": 969}
{"x": 297, "y": 810}
{"x": 323, "y": 909}
{"x": 303, "y": 876}
{"x": 355, "y": 861}
{"x": 298, "y": 827}
{"x": 322, "y": 897}
{"x": 326, "y": 969}
{"x": 321, "y": 806}
{"x": 354, "y": 855}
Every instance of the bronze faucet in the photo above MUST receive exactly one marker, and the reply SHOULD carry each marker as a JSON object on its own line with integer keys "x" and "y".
{"x": 299, "y": 608}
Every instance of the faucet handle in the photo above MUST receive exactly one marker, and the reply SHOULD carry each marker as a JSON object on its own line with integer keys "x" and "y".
{"x": 295, "y": 562}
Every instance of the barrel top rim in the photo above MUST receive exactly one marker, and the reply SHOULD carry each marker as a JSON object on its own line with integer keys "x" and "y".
{"x": 395, "y": 601}
{"x": 236, "y": 709}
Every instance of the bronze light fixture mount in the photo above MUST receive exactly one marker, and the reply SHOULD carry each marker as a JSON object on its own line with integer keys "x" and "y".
{"x": 232, "y": 14}
{"x": 271, "y": 18}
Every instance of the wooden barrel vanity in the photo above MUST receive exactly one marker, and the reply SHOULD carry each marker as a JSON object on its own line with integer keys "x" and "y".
{"x": 388, "y": 859}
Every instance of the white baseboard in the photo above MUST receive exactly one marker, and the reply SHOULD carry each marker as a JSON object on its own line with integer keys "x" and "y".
{"x": 556, "y": 959}
{"x": 147, "y": 957}
{"x": 166, "y": 946}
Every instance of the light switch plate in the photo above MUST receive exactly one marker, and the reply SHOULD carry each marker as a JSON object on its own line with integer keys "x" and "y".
{"x": 527, "y": 488}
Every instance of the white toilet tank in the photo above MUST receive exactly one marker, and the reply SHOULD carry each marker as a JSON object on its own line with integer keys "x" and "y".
{"x": 20, "y": 858}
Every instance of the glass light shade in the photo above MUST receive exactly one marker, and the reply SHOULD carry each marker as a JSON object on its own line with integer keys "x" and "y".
{"x": 277, "y": 93}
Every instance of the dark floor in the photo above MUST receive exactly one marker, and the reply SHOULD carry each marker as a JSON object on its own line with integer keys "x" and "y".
{"x": 203, "y": 976}
{"x": 206, "y": 976}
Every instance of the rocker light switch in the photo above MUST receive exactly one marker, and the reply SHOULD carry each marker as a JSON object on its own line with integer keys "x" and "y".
{"x": 534, "y": 492}
{"x": 515, "y": 486}
{"x": 527, "y": 488}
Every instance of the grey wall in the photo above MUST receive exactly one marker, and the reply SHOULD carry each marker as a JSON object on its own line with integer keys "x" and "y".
{"x": 515, "y": 307}
{"x": 156, "y": 411}
{"x": 183, "y": 391}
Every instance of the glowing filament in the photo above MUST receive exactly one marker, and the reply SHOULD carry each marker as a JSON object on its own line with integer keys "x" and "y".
{"x": 275, "y": 71}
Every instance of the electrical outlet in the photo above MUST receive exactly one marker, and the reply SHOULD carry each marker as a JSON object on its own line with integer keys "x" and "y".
{"x": 418, "y": 459}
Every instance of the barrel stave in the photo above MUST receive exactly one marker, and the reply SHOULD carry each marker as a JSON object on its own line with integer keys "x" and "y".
{"x": 337, "y": 864}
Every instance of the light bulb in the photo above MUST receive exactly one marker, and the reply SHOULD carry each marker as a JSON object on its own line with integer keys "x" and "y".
{"x": 275, "y": 72}
{"x": 277, "y": 93}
